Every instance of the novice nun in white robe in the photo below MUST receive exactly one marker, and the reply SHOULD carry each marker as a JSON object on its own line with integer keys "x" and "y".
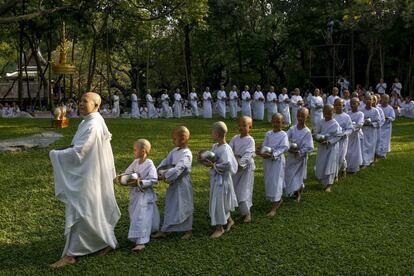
{"x": 177, "y": 104}
{"x": 222, "y": 196}
{"x": 271, "y": 99}
{"x": 207, "y": 111}
{"x": 221, "y": 102}
{"x": 143, "y": 210}
{"x": 179, "y": 207}
{"x": 134, "y": 106}
{"x": 354, "y": 153}
{"x": 370, "y": 134}
{"x": 115, "y": 108}
{"x": 244, "y": 150}
{"x": 83, "y": 176}
{"x": 297, "y": 163}
{"x": 274, "y": 168}
{"x": 296, "y": 102}
{"x": 327, "y": 158}
{"x": 233, "y": 102}
{"x": 316, "y": 106}
{"x": 386, "y": 131}
{"x": 166, "y": 109}
{"x": 152, "y": 111}
{"x": 246, "y": 98}
{"x": 258, "y": 105}
{"x": 345, "y": 123}
{"x": 193, "y": 103}
{"x": 284, "y": 107}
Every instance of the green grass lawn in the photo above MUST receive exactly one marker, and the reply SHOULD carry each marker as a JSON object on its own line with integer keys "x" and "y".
{"x": 365, "y": 226}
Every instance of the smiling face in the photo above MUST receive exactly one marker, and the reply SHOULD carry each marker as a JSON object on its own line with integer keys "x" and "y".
{"x": 302, "y": 116}
{"x": 354, "y": 104}
{"x": 339, "y": 106}
{"x": 245, "y": 125}
{"x": 89, "y": 103}
{"x": 368, "y": 101}
{"x": 180, "y": 138}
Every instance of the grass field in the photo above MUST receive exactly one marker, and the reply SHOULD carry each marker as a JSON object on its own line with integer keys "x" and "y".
{"x": 365, "y": 226}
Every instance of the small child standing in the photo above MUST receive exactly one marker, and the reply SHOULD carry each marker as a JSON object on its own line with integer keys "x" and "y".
{"x": 243, "y": 146}
{"x": 274, "y": 162}
{"x": 327, "y": 158}
{"x": 297, "y": 161}
{"x": 143, "y": 210}
{"x": 179, "y": 207}
{"x": 222, "y": 196}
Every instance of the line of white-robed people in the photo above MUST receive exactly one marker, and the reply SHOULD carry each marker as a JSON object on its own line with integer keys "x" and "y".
{"x": 84, "y": 172}
{"x": 257, "y": 105}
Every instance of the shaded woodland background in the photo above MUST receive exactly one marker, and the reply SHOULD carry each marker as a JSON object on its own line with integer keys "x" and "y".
{"x": 143, "y": 44}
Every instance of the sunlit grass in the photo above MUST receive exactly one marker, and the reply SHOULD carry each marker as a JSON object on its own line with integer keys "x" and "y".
{"x": 365, "y": 226}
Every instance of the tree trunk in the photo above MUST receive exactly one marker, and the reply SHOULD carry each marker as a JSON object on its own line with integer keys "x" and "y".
{"x": 92, "y": 60}
{"x": 368, "y": 67}
{"x": 187, "y": 54}
{"x": 71, "y": 88}
{"x": 20, "y": 81}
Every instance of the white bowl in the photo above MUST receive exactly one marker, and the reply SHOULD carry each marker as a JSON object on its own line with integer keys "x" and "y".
{"x": 207, "y": 155}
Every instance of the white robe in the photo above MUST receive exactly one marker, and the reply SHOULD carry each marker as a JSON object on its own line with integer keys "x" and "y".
{"x": 84, "y": 176}
{"x": 151, "y": 111}
{"x": 115, "y": 108}
{"x": 177, "y": 105}
{"x": 381, "y": 87}
{"x": 246, "y": 107}
{"x": 297, "y": 164}
{"x": 316, "y": 106}
{"x": 284, "y": 108}
{"x": 179, "y": 207}
{"x": 397, "y": 86}
{"x": 271, "y": 99}
{"x": 355, "y": 140}
{"x": 143, "y": 211}
{"x": 258, "y": 105}
{"x": 274, "y": 168}
{"x": 386, "y": 131}
{"x": 370, "y": 136}
{"x": 345, "y": 123}
{"x": 407, "y": 109}
{"x": 221, "y": 103}
{"x": 134, "y": 106}
{"x": 207, "y": 111}
{"x": 193, "y": 103}
{"x": 331, "y": 99}
{"x": 222, "y": 196}
{"x": 347, "y": 105}
{"x": 294, "y": 103}
{"x": 381, "y": 123}
{"x": 327, "y": 158}
{"x": 166, "y": 109}
{"x": 233, "y": 104}
{"x": 244, "y": 151}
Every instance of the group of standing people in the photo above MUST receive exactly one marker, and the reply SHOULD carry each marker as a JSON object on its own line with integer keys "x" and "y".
{"x": 348, "y": 140}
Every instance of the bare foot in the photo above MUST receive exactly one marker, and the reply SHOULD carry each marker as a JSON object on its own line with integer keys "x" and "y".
{"x": 67, "y": 260}
{"x": 247, "y": 218}
{"x": 298, "y": 197}
{"x": 159, "y": 235}
{"x": 271, "y": 213}
{"x": 139, "y": 248}
{"x": 218, "y": 233}
{"x": 230, "y": 223}
{"x": 187, "y": 236}
{"x": 105, "y": 251}
{"x": 328, "y": 189}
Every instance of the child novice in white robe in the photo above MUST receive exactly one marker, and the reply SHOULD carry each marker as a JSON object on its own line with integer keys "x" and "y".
{"x": 328, "y": 150}
{"x": 284, "y": 106}
{"x": 296, "y": 102}
{"x": 316, "y": 105}
{"x": 246, "y": 98}
{"x": 258, "y": 104}
{"x": 274, "y": 162}
{"x": 271, "y": 99}
{"x": 177, "y": 104}
{"x": 354, "y": 153}
{"x": 370, "y": 132}
{"x": 221, "y": 102}
{"x": 386, "y": 128}
{"x": 193, "y": 103}
{"x": 233, "y": 102}
{"x": 345, "y": 123}
{"x": 143, "y": 210}
{"x": 207, "y": 110}
{"x": 166, "y": 109}
{"x": 222, "y": 196}
{"x": 297, "y": 161}
{"x": 179, "y": 207}
{"x": 243, "y": 147}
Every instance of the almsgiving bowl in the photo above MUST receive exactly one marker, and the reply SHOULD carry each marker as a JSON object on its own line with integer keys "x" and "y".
{"x": 320, "y": 137}
{"x": 293, "y": 147}
{"x": 265, "y": 149}
{"x": 207, "y": 155}
{"x": 127, "y": 177}
{"x": 163, "y": 169}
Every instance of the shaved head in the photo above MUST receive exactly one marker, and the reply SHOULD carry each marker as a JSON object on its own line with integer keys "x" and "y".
{"x": 182, "y": 130}
{"x": 94, "y": 96}
{"x": 220, "y": 128}
{"x": 246, "y": 119}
